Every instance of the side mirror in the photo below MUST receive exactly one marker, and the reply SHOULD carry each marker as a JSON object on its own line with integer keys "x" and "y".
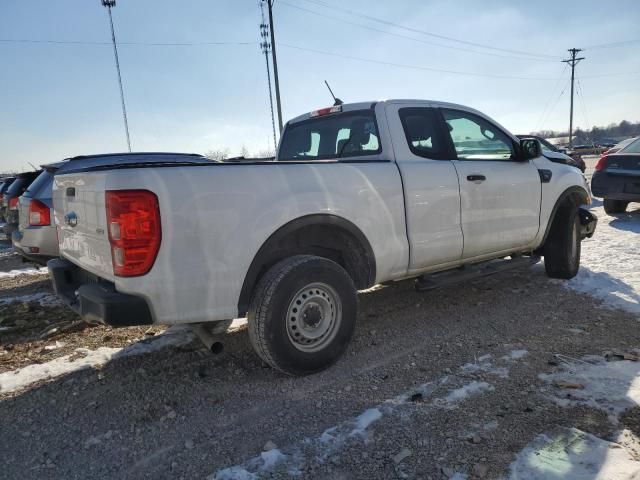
{"x": 529, "y": 149}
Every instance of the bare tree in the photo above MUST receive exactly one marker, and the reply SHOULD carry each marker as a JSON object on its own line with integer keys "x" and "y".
{"x": 220, "y": 154}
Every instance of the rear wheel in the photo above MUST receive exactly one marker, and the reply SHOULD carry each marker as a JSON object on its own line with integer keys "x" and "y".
{"x": 563, "y": 245}
{"x": 614, "y": 206}
{"x": 302, "y": 314}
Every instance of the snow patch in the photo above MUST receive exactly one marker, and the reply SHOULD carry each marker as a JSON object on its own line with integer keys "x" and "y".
{"x": 365, "y": 419}
{"x": 24, "y": 271}
{"x": 571, "y": 454}
{"x": 294, "y": 458}
{"x": 609, "y": 386}
{"x": 43, "y": 298}
{"x": 23, "y": 377}
{"x": 609, "y": 261}
{"x": 516, "y": 354}
{"x": 460, "y": 394}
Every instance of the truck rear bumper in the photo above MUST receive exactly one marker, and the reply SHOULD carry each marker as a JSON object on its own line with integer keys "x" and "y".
{"x": 94, "y": 299}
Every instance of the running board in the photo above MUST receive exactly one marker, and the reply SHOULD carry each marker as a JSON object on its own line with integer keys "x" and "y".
{"x": 471, "y": 272}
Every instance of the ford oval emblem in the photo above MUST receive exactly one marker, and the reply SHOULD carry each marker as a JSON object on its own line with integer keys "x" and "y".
{"x": 71, "y": 219}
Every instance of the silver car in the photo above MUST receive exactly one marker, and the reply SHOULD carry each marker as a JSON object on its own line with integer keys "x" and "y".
{"x": 36, "y": 237}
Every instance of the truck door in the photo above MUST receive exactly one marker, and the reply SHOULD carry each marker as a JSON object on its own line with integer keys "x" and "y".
{"x": 432, "y": 199}
{"x": 500, "y": 195}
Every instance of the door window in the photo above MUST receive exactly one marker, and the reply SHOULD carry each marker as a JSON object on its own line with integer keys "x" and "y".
{"x": 422, "y": 132}
{"x": 474, "y": 138}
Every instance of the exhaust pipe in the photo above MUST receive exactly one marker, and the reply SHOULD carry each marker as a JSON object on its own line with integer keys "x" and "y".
{"x": 212, "y": 342}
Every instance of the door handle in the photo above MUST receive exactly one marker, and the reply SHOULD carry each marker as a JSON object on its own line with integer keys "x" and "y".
{"x": 476, "y": 178}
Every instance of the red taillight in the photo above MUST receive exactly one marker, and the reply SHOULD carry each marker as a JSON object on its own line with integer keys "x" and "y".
{"x": 133, "y": 220}
{"x": 13, "y": 203}
{"x": 39, "y": 214}
{"x": 602, "y": 163}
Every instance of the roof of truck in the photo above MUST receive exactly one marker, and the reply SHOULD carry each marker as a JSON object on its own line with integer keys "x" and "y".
{"x": 348, "y": 107}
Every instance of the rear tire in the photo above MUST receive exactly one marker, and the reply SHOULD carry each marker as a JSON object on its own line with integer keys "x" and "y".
{"x": 302, "y": 314}
{"x": 562, "y": 248}
{"x": 614, "y": 206}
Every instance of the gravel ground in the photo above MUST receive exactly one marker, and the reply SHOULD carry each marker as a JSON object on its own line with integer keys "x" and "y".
{"x": 183, "y": 413}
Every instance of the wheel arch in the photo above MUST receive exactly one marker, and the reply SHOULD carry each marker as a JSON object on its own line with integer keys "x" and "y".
{"x": 574, "y": 194}
{"x": 325, "y": 235}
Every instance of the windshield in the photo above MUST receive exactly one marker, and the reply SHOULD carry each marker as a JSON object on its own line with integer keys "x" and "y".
{"x": 343, "y": 135}
{"x": 547, "y": 146}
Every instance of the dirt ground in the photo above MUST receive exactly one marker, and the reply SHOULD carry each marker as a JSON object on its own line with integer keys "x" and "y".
{"x": 180, "y": 412}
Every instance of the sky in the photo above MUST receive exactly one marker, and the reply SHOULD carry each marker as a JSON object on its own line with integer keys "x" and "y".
{"x": 59, "y": 99}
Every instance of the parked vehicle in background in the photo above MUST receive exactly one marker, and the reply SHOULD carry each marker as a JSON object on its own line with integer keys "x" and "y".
{"x": 4, "y": 186}
{"x": 10, "y": 199}
{"x": 36, "y": 238}
{"x": 617, "y": 178}
{"x": 619, "y": 146}
{"x": 587, "y": 149}
{"x": 359, "y": 194}
{"x": 555, "y": 155}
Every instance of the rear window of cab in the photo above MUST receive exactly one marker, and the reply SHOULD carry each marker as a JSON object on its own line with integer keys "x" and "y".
{"x": 348, "y": 134}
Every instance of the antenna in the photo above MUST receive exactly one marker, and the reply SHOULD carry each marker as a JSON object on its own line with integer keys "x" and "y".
{"x": 33, "y": 166}
{"x": 336, "y": 101}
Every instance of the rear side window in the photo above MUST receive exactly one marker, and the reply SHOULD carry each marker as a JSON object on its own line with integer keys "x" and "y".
{"x": 340, "y": 135}
{"x": 633, "y": 147}
{"x": 44, "y": 178}
{"x": 5, "y": 186}
{"x": 475, "y": 138}
{"x": 18, "y": 187}
{"x": 422, "y": 131}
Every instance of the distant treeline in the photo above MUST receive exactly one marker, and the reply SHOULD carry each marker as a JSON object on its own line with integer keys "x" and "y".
{"x": 611, "y": 133}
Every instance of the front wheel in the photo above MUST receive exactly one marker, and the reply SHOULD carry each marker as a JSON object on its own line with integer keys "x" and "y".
{"x": 302, "y": 314}
{"x": 614, "y": 206}
{"x": 562, "y": 248}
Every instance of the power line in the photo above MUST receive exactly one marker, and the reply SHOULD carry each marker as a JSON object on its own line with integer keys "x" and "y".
{"x": 192, "y": 44}
{"x": 546, "y": 105}
{"x": 612, "y": 44}
{"x": 580, "y": 93}
{"x": 424, "y": 32}
{"x": 413, "y": 67}
{"x": 407, "y": 37}
{"x": 555, "y": 104}
{"x": 146, "y": 44}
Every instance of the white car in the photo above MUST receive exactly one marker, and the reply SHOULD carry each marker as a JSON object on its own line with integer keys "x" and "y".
{"x": 359, "y": 194}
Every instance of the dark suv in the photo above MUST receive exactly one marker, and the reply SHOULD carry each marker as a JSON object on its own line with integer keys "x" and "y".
{"x": 10, "y": 199}
{"x": 617, "y": 178}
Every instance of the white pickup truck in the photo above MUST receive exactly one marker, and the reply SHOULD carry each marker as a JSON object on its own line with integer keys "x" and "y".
{"x": 359, "y": 194}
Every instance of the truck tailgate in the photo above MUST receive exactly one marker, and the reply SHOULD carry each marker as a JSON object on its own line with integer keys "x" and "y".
{"x": 80, "y": 216}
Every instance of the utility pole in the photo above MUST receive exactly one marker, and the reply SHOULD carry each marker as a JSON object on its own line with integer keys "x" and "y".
{"x": 573, "y": 61}
{"x": 275, "y": 62}
{"x": 110, "y": 4}
{"x": 266, "y": 47}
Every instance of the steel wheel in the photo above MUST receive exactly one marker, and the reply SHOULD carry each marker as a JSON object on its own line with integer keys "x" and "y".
{"x": 313, "y": 317}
